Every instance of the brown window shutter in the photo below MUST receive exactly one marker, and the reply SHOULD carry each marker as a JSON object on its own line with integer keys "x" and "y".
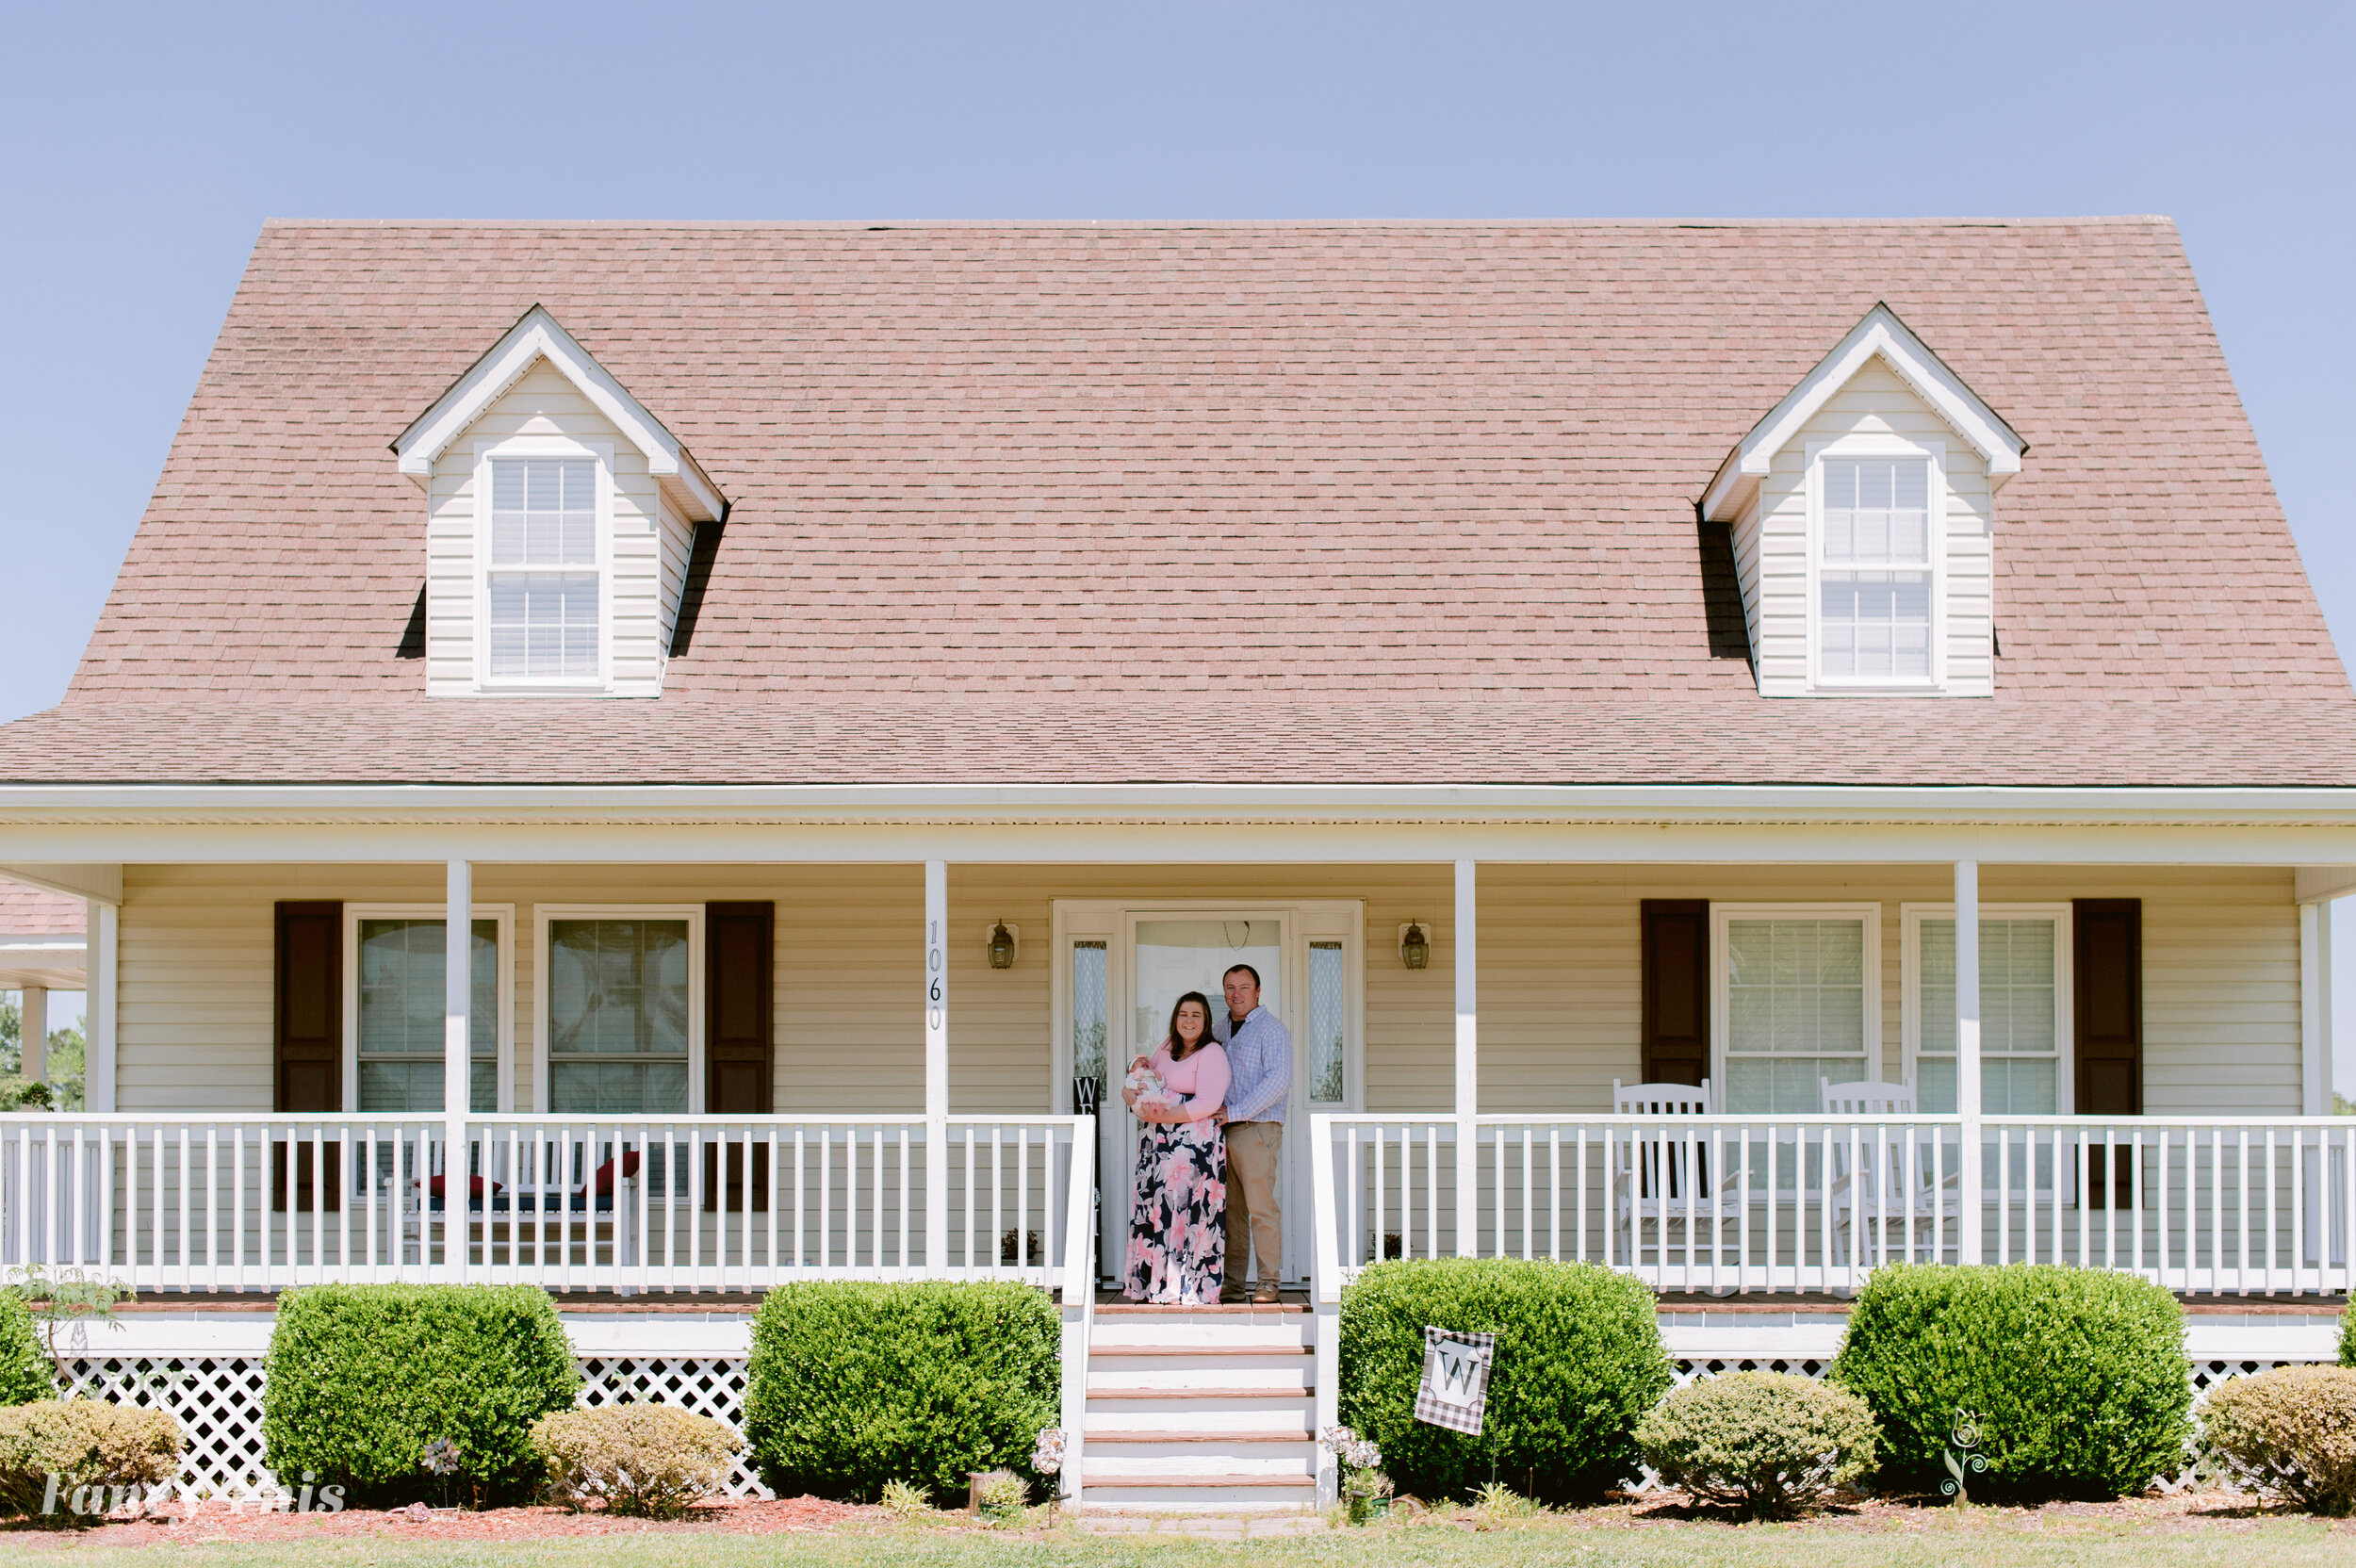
{"x": 1676, "y": 990}
{"x": 2109, "y": 1021}
{"x": 308, "y": 1046}
{"x": 740, "y": 948}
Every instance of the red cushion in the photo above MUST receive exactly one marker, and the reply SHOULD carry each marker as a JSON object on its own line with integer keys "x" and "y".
{"x": 474, "y": 1187}
{"x": 604, "y": 1183}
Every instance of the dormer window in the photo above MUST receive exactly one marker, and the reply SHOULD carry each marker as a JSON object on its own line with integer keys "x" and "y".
{"x": 561, "y": 525}
{"x": 1876, "y": 563}
{"x": 541, "y": 581}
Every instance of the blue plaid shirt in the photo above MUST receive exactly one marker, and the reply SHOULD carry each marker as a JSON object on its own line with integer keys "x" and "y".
{"x": 1259, "y": 1064}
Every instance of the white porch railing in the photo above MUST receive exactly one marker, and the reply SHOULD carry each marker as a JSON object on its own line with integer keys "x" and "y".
{"x": 1814, "y": 1203}
{"x": 636, "y": 1203}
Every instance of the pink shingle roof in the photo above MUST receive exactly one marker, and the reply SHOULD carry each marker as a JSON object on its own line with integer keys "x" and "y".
{"x": 36, "y": 912}
{"x": 1040, "y": 502}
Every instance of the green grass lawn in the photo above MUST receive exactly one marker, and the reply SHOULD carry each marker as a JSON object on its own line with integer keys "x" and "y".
{"x": 1986, "y": 1538}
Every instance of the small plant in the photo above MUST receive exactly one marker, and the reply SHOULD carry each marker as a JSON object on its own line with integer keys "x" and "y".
{"x": 66, "y": 1460}
{"x": 654, "y": 1461}
{"x": 27, "y": 1372}
{"x": 1497, "y": 1505}
{"x": 68, "y": 1301}
{"x": 907, "y": 1502}
{"x": 36, "y": 1095}
{"x": 1766, "y": 1442}
{"x": 2290, "y": 1432}
{"x": 1000, "y": 1497}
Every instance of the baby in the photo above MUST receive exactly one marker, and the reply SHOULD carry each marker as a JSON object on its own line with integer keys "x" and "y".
{"x": 1152, "y": 1094}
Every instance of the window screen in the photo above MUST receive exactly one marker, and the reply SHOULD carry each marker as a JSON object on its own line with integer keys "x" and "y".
{"x": 1795, "y": 1011}
{"x": 401, "y": 965}
{"x": 617, "y": 1016}
{"x": 2019, "y": 1058}
{"x": 1874, "y": 575}
{"x": 544, "y": 605}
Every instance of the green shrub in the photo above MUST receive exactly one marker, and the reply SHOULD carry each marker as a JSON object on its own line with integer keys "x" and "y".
{"x": 2348, "y": 1339}
{"x": 649, "y": 1460}
{"x": 2078, "y": 1375}
{"x": 26, "y": 1373}
{"x": 1766, "y": 1442}
{"x": 360, "y": 1378}
{"x": 120, "y": 1450}
{"x": 852, "y": 1384}
{"x": 2291, "y": 1431}
{"x": 1579, "y": 1362}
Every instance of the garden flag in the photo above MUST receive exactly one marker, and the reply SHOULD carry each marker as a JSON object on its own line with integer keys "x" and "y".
{"x": 1455, "y": 1386}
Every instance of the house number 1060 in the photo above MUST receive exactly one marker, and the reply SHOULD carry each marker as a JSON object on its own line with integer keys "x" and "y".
{"x": 934, "y": 961}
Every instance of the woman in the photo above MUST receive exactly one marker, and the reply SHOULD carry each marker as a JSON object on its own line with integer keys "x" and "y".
{"x": 1177, "y": 1220}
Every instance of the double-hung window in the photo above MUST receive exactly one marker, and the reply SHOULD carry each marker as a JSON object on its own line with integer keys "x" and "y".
{"x": 1877, "y": 552}
{"x": 541, "y": 579}
{"x": 396, "y": 1016}
{"x": 1798, "y": 1002}
{"x": 621, "y": 1003}
{"x": 2024, "y": 1008}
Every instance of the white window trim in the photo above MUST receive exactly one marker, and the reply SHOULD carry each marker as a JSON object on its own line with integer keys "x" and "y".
{"x": 546, "y": 914}
{"x": 2064, "y": 1003}
{"x": 504, "y": 914}
{"x": 541, "y": 445}
{"x": 1878, "y": 444}
{"x": 1721, "y": 1014}
{"x": 1114, "y": 921}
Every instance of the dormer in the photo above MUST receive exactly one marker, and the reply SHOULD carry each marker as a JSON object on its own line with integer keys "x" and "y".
{"x": 1862, "y": 514}
{"x": 560, "y": 519}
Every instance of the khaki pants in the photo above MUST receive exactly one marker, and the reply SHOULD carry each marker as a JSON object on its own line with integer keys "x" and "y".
{"x": 1254, "y": 1217}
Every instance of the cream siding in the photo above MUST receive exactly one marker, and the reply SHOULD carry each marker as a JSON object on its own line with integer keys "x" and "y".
{"x": 1559, "y": 980}
{"x": 641, "y": 591}
{"x": 677, "y": 545}
{"x": 1772, "y": 555}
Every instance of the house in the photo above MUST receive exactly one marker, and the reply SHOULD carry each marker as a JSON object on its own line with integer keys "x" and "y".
{"x": 827, "y": 688}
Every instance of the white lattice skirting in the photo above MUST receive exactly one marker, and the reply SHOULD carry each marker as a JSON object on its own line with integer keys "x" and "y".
{"x": 218, "y": 1396}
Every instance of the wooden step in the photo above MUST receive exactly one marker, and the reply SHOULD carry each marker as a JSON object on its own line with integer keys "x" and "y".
{"x": 1278, "y": 1393}
{"x": 1209, "y": 1435}
{"x": 1304, "y": 1484}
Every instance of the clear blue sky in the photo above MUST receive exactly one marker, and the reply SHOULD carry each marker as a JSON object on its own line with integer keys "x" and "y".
{"x": 146, "y": 144}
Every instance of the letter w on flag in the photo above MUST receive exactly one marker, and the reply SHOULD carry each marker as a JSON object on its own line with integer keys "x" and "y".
{"x": 1455, "y": 1389}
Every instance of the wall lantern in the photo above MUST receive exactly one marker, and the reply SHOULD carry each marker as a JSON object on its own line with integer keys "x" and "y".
{"x": 1006, "y": 942}
{"x": 1415, "y": 945}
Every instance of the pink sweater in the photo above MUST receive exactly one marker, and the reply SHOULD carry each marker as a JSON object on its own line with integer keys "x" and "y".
{"x": 1202, "y": 1078}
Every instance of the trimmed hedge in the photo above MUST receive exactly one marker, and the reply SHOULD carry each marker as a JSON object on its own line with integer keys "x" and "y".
{"x": 1767, "y": 1442}
{"x": 855, "y": 1383}
{"x": 2348, "y": 1339}
{"x": 361, "y": 1378}
{"x": 26, "y": 1373}
{"x": 649, "y": 1460}
{"x": 98, "y": 1457}
{"x": 1579, "y": 1363}
{"x": 2078, "y": 1374}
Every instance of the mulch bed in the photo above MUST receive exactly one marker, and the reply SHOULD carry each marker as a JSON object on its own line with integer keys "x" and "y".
{"x": 178, "y": 1525}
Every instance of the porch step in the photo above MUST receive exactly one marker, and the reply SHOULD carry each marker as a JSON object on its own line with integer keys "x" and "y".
{"x": 1200, "y": 1408}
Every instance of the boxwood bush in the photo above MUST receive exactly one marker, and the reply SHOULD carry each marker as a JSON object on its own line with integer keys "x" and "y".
{"x": 360, "y": 1378}
{"x": 26, "y": 1373}
{"x": 1767, "y": 1442}
{"x": 855, "y": 1383}
{"x": 1579, "y": 1363}
{"x": 2078, "y": 1374}
{"x": 2292, "y": 1431}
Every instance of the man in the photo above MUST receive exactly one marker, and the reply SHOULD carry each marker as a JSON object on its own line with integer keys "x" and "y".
{"x": 1260, "y": 1066}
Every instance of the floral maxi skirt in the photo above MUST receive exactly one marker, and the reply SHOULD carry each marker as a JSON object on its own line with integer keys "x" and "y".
{"x": 1177, "y": 1222}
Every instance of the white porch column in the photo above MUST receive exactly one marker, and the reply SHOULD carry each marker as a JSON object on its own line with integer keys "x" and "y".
{"x": 33, "y": 1031}
{"x": 1467, "y": 1064}
{"x": 457, "y": 1056}
{"x": 1968, "y": 1057}
{"x": 2315, "y": 1006}
{"x": 98, "y": 1061}
{"x": 937, "y": 1064}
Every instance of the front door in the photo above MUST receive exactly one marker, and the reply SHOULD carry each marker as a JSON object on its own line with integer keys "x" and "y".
{"x": 1120, "y": 971}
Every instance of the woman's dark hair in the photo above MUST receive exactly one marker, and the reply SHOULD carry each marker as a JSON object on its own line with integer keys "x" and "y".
{"x": 1179, "y": 1050}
